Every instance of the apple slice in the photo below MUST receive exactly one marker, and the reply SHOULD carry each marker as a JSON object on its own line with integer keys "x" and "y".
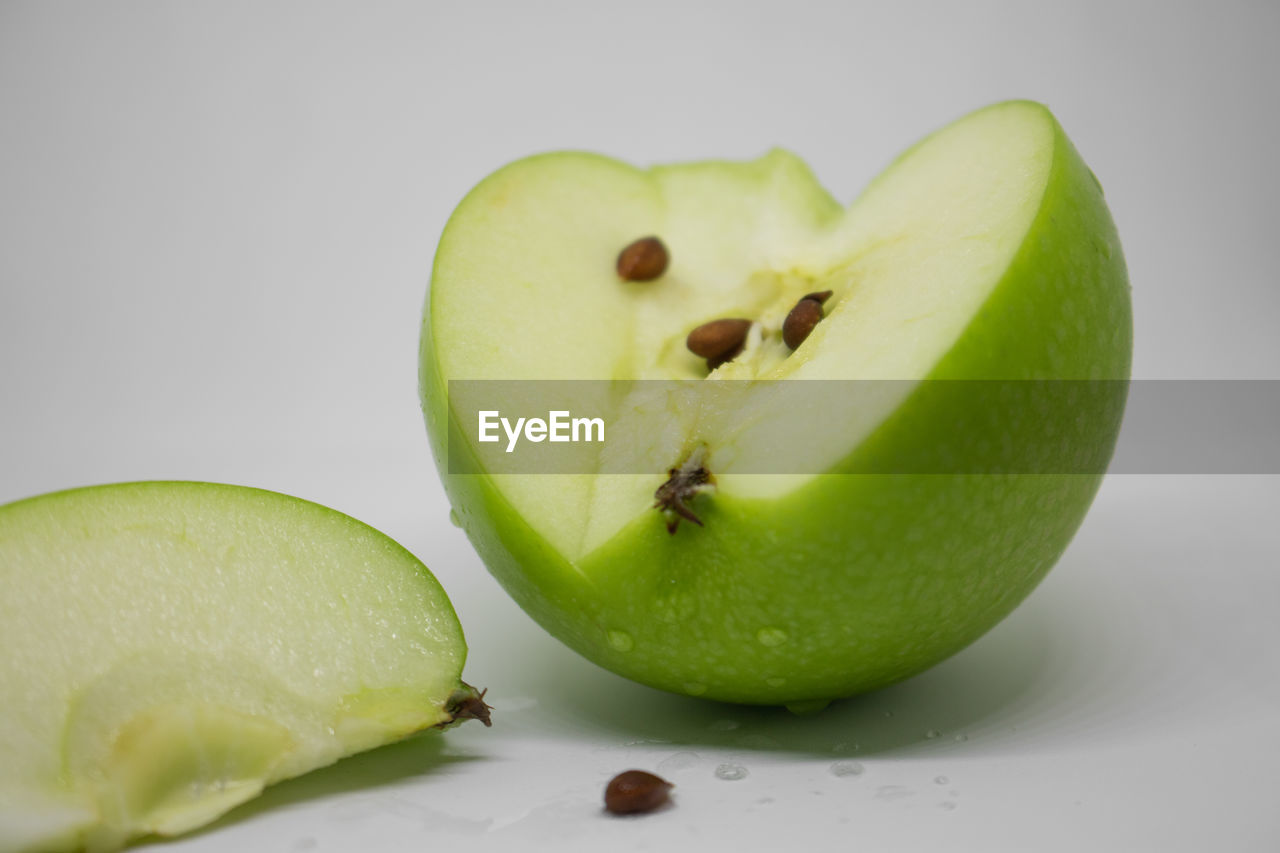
{"x": 170, "y": 648}
{"x": 985, "y": 252}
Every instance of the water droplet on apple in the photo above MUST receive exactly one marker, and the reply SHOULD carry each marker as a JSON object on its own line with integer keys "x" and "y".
{"x": 932, "y": 733}
{"x": 453, "y": 518}
{"x": 725, "y": 725}
{"x": 775, "y": 681}
{"x": 771, "y": 637}
{"x": 962, "y": 737}
{"x": 940, "y": 780}
{"x": 621, "y": 641}
{"x": 846, "y": 768}
{"x": 695, "y": 688}
{"x": 731, "y": 772}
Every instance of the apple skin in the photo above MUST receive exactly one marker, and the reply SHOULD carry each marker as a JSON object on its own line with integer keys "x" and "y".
{"x": 852, "y": 582}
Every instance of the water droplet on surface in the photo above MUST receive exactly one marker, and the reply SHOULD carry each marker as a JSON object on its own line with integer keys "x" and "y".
{"x": 946, "y": 807}
{"x": 678, "y": 761}
{"x": 453, "y": 518}
{"x": 940, "y": 780}
{"x": 731, "y": 772}
{"x": 771, "y": 637}
{"x": 846, "y": 768}
{"x": 894, "y": 792}
{"x": 695, "y": 688}
{"x": 847, "y": 746}
{"x": 724, "y": 725}
{"x": 932, "y": 733}
{"x": 775, "y": 681}
{"x": 621, "y": 641}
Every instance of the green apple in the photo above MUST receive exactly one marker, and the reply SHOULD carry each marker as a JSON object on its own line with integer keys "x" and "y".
{"x": 985, "y": 252}
{"x": 170, "y": 648}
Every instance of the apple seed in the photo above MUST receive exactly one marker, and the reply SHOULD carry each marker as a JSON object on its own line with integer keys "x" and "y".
{"x": 713, "y": 363}
{"x": 718, "y": 341}
{"x": 635, "y": 792}
{"x": 802, "y": 318}
{"x": 643, "y": 260}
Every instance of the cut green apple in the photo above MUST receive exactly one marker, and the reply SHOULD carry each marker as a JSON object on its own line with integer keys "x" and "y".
{"x": 985, "y": 252}
{"x": 171, "y": 648}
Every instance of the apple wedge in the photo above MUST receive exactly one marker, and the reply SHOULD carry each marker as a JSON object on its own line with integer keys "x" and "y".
{"x": 985, "y": 252}
{"x": 170, "y": 648}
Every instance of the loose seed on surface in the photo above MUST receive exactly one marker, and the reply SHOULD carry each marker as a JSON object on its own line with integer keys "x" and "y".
{"x": 715, "y": 340}
{"x": 802, "y": 318}
{"x": 643, "y": 260}
{"x": 635, "y": 792}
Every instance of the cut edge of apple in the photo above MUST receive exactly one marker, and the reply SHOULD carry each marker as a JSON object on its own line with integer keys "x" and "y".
{"x": 178, "y": 646}
{"x": 910, "y": 263}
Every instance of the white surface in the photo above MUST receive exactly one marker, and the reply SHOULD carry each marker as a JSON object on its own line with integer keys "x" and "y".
{"x": 216, "y": 223}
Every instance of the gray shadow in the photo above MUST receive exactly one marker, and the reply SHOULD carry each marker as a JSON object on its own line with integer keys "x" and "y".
{"x": 942, "y": 707}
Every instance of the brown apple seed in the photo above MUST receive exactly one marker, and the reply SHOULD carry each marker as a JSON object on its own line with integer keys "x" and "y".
{"x": 820, "y": 296}
{"x": 635, "y": 792}
{"x": 718, "y": 338}
{"x": 643, "y": 260}
{"x": 713, "y": 363}
{"x": 800, "y": 321}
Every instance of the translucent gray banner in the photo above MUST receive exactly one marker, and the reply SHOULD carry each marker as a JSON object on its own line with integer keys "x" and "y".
{"x": 866, "y": 426}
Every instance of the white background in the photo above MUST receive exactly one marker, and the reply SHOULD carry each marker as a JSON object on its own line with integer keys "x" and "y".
{"x": 216, "y": 227}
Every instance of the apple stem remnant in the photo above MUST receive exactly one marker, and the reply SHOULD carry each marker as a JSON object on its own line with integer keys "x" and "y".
{"x": 467, "y": 704}
{"x": 682, "y": 485}
{"x": 803, "y": 317}
{"x": 643, "y": 260}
